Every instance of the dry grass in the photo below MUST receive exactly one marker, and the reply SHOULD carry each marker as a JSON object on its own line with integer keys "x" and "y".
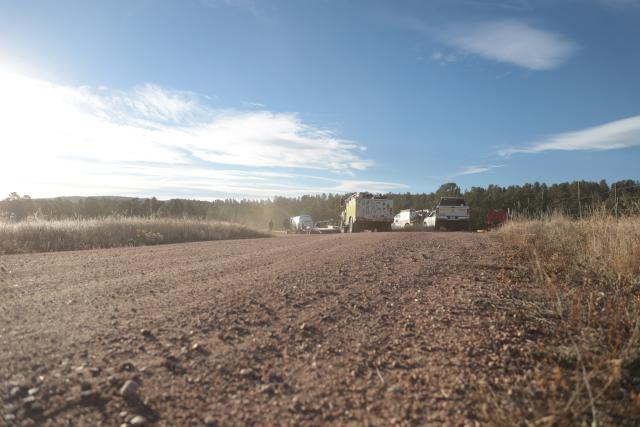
{"x": 66, "y": 235}
{"x": 588, "y": 367}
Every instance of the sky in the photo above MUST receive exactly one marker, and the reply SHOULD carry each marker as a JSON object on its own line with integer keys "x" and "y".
{"x": 253, "y": 99}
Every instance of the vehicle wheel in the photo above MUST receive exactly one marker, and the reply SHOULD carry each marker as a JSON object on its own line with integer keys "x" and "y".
{"x": 350, "y": 225}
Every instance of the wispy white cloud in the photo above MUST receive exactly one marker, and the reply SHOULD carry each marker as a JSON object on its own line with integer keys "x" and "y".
{"x": 60, "y": 139}
{"x": 470, "y": 170}
{"x": 513, "y": 42}
{"x": 443, "y": 58}
{"x": 609, "y": 136}
{"x": 509, "y": 41}
{"x": 256, "y": 105}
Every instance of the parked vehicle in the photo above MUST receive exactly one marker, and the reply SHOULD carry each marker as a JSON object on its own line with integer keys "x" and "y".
{"x": 451, "y": 213}
{"x": 300, "y": 224}
{"x": 365, "y": 211}
{"x": 326, "y": 227}
{"x": 409, "y": 219}
{"x": 495, "y": 217}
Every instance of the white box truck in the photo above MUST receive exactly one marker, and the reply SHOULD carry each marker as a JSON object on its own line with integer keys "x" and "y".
{"x": 365, "y": 211}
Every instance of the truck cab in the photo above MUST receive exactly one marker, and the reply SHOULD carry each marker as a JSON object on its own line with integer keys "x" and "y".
{"x": 451, "y": 213}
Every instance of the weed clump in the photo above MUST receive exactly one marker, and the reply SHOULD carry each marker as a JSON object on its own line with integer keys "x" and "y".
{"x": 588, "y": 271}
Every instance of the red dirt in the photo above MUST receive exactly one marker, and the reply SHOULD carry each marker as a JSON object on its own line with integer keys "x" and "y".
{"x": 366, "y": 329}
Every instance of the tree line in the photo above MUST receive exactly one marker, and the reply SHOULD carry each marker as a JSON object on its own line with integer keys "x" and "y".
{"x": 573, "y": 198}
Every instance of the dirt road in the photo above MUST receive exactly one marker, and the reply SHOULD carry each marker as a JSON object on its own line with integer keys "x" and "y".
{"x": 367, "y": 329}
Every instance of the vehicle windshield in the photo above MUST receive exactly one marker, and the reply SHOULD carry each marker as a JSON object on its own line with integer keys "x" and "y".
{"x": 452, "y": 201}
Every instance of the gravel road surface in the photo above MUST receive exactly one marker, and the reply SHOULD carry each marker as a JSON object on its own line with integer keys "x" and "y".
{"x": 366, "y": 329}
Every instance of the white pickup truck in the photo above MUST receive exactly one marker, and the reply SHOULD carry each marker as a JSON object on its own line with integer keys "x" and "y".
{"x": 451, "y": 213}
{"x": 300, "y": 224}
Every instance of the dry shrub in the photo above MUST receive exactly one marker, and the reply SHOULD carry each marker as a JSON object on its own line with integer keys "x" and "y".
{"x": 66, "y": 235}
{"x": 588, "y": 369}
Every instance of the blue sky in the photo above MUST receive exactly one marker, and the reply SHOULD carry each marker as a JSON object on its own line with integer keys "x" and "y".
{"x": 256, "y": 98}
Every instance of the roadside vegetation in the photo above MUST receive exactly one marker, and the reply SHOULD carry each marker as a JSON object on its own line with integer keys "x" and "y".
{"x": 530, "y": 199}
{"x": 69, "y": 234}
{"x": 586, "y": 350}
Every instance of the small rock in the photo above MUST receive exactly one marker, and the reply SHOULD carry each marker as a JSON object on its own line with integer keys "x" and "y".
{"x": 127, "y": 366}
{"x": 33, "y": 391}
{"x": 210, "y": 421}
{"x": 145, "y": 332}
{"x": 247, "y": 372}
{"x": 123, "y": 414}
{"x": 267, "y": 389}
{"x": 129, "y": 389}
{"x": 95, "y": 371}
{"x": 138, "y": 420}
{"x": 396, "y": 389}
{"x": 89, "y": 395}
{"x": 16, "y": 391}
{"x": 28, "y": 400}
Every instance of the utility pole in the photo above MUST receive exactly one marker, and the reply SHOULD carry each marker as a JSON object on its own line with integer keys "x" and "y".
{"x": 579, "y": 201}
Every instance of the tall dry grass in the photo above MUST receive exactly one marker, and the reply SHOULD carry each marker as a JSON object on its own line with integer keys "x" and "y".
{"x": 66, "y": 235}
{"x": 589, "y": 272}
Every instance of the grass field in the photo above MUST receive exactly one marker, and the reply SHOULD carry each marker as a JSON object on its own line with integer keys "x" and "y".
{"x": 589, "y": 272}
{"x": 66, "y": 235}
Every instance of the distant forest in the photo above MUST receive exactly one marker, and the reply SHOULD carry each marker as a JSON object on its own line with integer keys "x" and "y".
{"x": 575, "y": 198}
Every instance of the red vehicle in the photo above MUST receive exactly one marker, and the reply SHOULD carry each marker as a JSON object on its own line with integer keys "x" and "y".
{"x": 496, "y": 217}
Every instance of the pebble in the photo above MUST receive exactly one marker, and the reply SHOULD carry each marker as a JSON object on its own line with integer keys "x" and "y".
{"x": 138, "y": 420}
{"x": 396, "y": 389}
{"x": 15, "y": 391}
{"x": 267, "y": 389}
{"x": 210, "y": 421}
{"x": 28, "y": 400}
{"x": 246, "y": 372}
{"x": 129, "y": 389}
